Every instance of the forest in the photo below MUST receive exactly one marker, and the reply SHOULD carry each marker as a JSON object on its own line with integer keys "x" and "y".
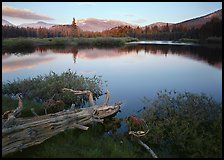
{"x": 211, "y": 31}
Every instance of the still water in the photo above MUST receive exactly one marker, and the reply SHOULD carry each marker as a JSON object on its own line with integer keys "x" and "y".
{"x": 130, "y": 72}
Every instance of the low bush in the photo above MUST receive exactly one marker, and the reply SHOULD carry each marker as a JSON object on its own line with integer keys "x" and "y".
{"x": 184, "y": 125}
{"x": 41, "y": 88}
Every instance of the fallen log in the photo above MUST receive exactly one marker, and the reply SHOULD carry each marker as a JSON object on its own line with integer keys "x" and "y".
{"x": 26, "y": 132}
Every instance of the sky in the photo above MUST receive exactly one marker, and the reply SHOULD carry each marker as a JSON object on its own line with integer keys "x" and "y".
{"x": 140, "y": 13}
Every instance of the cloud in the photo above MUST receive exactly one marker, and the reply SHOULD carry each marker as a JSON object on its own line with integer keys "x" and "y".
{"x": 23, "y": 13}
{"x": 140, "y": 20}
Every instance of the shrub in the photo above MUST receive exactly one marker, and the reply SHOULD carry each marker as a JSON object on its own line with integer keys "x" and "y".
{"x": 184, "y": 125}
{"x": 41, "y": 88}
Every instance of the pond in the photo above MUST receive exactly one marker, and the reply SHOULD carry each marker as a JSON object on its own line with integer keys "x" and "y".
{"x": 131, "y": 72}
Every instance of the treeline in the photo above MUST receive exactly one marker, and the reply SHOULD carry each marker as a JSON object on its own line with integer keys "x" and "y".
{"x": 13, "y": 32}
{"x": 167, "y": 32}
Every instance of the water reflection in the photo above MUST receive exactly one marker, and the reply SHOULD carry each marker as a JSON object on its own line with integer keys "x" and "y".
{"x": 132, "y": 72}
{"x": 210, "y": 55}
{"x": 68, "y": 50}
{"x": 13, "y": 63}
{"x": 42, "y": 55}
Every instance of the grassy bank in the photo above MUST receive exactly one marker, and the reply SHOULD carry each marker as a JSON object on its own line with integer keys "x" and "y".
{"x": 15, "y": 44}
{"x": 208, "y": 41}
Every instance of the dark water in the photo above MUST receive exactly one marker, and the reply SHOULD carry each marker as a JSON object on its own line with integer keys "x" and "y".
{"x": 131, "y": 72}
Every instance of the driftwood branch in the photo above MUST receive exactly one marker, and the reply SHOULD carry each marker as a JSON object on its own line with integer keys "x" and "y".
{"x": 107, "y": 98}
{"x": 87, "y": 92}
{"x": 139, "y": 134}
{"x": 147, "y": 148}
{"x": 17, "y": 111}
{"x": 13, "y": 114}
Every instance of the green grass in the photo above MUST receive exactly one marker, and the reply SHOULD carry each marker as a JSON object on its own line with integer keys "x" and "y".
{"x": 24, "y": 44}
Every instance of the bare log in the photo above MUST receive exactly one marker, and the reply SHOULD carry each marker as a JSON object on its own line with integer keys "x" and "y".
{"x": 32, "y": 131}
{"x": 20, "y": 133}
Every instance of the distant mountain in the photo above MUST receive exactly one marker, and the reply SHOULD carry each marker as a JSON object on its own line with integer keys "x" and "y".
{"x": 6, "y": 23}
{"x": 37, "y": 25}
{"x": 195, "y": 22}
{"x": 198, "y": 22}
{"x": 98, "y": 25}
{"x": 159, "y": 24}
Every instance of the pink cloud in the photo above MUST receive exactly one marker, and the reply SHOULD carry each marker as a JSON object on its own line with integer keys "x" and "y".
{"x": 23, "y": 13}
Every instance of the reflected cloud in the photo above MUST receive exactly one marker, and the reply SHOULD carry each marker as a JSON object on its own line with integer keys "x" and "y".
{"x": 99, "y": 53}
{"x": 13, "y": 64}
{"x": 212, "y": 56}
{"x": 5, "y": 56}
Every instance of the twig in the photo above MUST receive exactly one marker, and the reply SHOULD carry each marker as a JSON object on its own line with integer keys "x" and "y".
{"x": 34, "y": 113}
